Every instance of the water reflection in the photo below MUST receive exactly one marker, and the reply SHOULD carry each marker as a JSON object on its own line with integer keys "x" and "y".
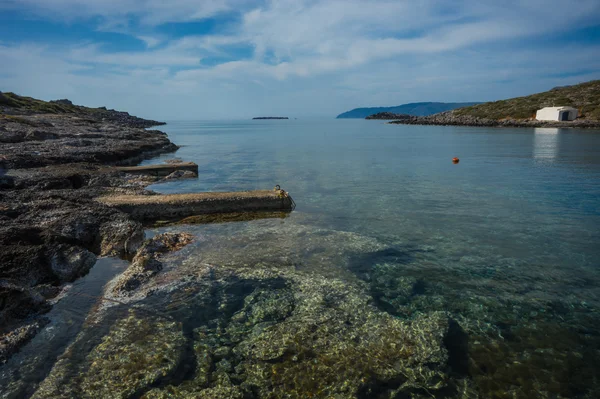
{"x": 546, "y": 143}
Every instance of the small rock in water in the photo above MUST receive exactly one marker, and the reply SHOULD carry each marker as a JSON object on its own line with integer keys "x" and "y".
{"x": 181, "y": 174}
{"x": 146, "y": 264}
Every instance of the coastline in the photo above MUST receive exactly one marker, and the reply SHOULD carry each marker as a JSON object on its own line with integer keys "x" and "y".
{"x": 452, "y": 119}
{"x": 52, "y": 228}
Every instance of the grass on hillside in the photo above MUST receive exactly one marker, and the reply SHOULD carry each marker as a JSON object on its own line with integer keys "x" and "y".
{"x": 34, "y": 105}
{"x": 584, "y": 96}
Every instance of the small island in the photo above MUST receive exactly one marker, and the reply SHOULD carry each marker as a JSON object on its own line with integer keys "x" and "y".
{"x": 271, "y": 117}
{"x": 388, "y": 116}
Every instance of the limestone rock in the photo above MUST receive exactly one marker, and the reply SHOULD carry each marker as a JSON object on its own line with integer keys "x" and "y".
{"x": 181, "y": 174}
{"x": 15, "y": 339}
{"x": 138, "y": 352}
{"x": 70, "y": 262}
{"x": 146, "y": 262}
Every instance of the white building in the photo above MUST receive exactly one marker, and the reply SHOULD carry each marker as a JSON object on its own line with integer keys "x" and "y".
{"x": 556, "y": 114}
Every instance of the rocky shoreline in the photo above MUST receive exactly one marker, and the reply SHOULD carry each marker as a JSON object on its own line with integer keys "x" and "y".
{"x": 51, "y": 227}
{"x": 451, "y": 118}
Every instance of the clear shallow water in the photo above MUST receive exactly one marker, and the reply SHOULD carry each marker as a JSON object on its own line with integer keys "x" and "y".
{"x": 506, "y": 243}
{"x": 525, "y": 193}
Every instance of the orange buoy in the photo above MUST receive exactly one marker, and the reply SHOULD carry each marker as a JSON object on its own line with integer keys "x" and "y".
{"x": 455, "y": 160}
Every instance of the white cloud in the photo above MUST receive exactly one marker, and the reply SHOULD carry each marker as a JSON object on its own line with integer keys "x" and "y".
{"x": 345, "y": 53}
{"x": 150, "y": 41}
{"x": 151, "y": 12}
{"x": 91, "y": 54}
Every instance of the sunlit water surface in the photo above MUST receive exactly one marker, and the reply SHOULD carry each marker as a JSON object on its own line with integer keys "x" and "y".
{"x": 507, "y": 241}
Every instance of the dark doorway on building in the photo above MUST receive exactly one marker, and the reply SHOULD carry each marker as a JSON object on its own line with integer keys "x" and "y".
{"x": 564, "y": 116}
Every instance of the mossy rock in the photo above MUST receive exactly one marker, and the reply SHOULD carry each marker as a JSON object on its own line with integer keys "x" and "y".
{"x": 137, "y": 352}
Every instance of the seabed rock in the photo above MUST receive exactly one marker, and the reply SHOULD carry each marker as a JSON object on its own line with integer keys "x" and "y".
{"x": 181, "y": 174}
{"x": 146, "y": 262}
{"x": 137, "y": 352}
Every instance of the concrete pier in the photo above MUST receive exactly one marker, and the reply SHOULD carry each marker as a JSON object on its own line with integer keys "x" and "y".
{"x": 159, "y": 170}
{"x": 178, "y": 206}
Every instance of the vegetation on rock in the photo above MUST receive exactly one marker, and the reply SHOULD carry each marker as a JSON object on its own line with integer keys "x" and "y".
{"x": 13, "y": 104}
{"x": 585, "y": 97}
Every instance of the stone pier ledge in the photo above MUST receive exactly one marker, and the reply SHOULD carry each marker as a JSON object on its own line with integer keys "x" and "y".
{"x": 178, "y": 206}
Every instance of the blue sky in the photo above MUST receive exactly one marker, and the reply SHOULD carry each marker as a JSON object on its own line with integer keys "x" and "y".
{"x": 203, "y": 59}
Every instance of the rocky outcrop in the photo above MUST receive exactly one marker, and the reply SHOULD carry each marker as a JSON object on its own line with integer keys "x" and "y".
{"x": 42, "y": 140}
{"x": 13, "y": 104}
{"x": 146, "y": 262}
{"x": 51, "y": 227}
{"x": 181, "y": 174}
{"x": 63, "y": 102}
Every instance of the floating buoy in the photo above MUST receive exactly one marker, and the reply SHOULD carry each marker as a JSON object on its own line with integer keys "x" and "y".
{"x": 455, "y": 160}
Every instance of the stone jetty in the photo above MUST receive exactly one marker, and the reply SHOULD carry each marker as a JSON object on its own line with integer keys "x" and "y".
{"x": 174, "y": 206}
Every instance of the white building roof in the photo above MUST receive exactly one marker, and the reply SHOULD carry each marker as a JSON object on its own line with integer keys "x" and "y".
{"x": 558, "y": 108}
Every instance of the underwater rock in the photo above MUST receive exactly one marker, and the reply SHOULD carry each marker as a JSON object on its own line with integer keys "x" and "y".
{"x": 137, "y": 352}
{"x": 298, "y": 335}
{"x": 11, "y": 342}
{"x": 146, "y": 262}
{"x": 121, "y": 237}
{"x": 181, "y": 174}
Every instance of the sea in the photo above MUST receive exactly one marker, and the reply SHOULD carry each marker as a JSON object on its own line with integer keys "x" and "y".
{"x": 505, "y": 244}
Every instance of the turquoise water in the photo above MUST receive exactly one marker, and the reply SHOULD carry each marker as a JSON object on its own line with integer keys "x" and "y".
{"x": 528, "y": 195}
{"x": 399, "y": 274}
{"x": 507, "y": 241}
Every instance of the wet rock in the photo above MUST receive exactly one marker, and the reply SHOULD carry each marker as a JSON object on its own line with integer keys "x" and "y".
{"x": 121, "y": 237}
{"x": 18, "y": 302}
{"x": 69, "y": 263}
{"x": 146, "y": 263}
{"x": 6, "y": 182}
{"x": 51, "y": 227}
{"x": 138, "y": 352}
{"x": 181, "y": 174}
{"x": 11, "y": 342}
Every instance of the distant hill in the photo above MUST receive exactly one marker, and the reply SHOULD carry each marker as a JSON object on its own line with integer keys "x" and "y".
{"x": 584, "y": 96}
{"x": 416, "y": 109}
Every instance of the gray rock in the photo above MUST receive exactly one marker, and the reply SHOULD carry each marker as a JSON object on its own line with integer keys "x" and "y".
{"x": 70, "y": 262}
{"x": 181, "y": 174}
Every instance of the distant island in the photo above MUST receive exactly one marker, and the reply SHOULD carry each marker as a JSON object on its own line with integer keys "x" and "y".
{"x": 388, "y": 116}
{"x": 271, "y": 117}
{"x": 520, "y": 111}
{"x": 416, "y": 109}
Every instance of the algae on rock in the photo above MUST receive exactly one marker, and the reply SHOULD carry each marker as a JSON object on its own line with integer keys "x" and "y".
{"x": 136, "y": 353}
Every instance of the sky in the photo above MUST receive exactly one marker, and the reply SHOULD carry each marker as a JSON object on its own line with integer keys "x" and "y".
{"x": 215, "y": 59}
